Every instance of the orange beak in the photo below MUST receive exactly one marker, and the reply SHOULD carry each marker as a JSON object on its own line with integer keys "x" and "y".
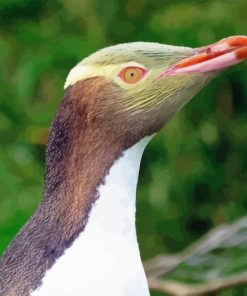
{"x": 214, "y": 57}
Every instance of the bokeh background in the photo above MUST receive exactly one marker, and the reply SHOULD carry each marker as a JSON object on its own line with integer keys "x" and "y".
{"x": 193, "y": 174}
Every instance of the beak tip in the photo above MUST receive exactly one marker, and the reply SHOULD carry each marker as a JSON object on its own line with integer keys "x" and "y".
{"x": 235, "y": 41}
{"x": 241, "y": 53}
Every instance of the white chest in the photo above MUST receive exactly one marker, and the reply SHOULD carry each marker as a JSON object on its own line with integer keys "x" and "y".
{"x": 105, "y": 258}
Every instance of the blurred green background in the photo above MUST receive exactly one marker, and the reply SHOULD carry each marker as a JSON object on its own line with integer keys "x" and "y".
{"x": 193, "y": 174}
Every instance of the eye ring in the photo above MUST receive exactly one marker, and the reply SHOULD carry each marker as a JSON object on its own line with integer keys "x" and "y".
{"x": 132, "y": 74}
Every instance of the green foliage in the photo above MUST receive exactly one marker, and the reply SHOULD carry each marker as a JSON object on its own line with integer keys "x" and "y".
{"x": 193, "y": 174}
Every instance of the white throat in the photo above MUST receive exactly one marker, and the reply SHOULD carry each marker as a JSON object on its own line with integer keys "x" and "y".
{"x": 105, "y": 259}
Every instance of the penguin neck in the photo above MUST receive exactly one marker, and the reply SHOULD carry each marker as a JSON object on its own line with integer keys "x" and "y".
{"x": 114, "y": 211}
{"x": 106, "y": 252}
{"x": 89, "y": 201}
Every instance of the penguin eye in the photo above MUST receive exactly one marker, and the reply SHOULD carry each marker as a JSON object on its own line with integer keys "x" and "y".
{"x": 132, "y": 75}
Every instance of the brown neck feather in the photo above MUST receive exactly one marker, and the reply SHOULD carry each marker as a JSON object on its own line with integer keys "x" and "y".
{"x": 80, "y": 152}
{"x": 90, "y": 131}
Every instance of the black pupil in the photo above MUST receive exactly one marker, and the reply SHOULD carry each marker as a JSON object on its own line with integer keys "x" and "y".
{"x": 132, "y": 74}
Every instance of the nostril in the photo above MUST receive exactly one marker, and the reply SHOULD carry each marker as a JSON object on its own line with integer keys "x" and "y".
{"x": 208, "y": 50}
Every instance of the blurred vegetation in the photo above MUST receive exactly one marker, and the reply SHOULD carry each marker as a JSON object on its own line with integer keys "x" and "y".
{"x": 193, "y": 174}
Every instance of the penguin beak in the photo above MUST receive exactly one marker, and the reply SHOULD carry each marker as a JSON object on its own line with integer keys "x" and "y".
{"x": 215, "y": 57}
